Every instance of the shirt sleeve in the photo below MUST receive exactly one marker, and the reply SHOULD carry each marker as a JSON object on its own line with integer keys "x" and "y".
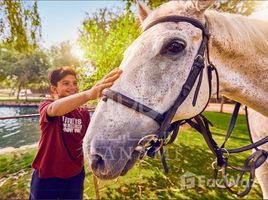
{"x": 44, "y": 118}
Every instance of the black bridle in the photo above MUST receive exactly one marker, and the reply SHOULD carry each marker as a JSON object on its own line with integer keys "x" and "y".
{"x": 151, "y": 144}
{"x": 164, "y": 120}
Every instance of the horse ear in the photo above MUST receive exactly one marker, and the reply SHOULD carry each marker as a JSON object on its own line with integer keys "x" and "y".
{"x": 202, "y": 5}
{"x": 143, "y": 10}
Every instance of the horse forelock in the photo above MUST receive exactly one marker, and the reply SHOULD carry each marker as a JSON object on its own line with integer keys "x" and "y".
{"x": 170, "y": 8}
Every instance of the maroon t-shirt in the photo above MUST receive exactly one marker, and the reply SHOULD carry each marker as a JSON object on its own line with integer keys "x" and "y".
{"x": 54, "y": 158}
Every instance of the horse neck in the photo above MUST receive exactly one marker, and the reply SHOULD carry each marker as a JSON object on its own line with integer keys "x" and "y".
{"x": 241, "y": 58}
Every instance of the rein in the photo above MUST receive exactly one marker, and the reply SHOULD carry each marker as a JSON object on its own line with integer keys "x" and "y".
{"x": 167, "y": 132}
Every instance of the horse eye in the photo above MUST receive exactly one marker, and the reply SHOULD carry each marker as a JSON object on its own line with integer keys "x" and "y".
{"x": 174, "y": 47}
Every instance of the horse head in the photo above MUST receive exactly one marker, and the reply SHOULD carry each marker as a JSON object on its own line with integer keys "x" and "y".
{"x": 155, "y": 68}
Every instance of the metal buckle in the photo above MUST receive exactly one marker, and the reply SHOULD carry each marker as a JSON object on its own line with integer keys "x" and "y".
{"x": 216, "y": 166}
{"x": 226, "y": 152}
{"x": 199, "y": 62}
{"x": 199, "y": 57}
{"x": 185, "y": 90}
{"x": 145, "y": 142}
{"x": 160, "y": 145}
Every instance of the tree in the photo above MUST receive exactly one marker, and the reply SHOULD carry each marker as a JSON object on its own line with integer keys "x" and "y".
{"x": 23, "y": 69}
{"x": 234, "y": 6}
{"x": 7, "y": 58}
{"x": 104, "y": 38}
{"x": 20, "y": 25}
{"x": 30, "y": 68}
{"x": 106, "y": 35}
{"x": 62, "y": 55}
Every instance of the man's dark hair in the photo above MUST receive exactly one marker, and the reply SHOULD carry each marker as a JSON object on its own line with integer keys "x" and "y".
{"x": 56, "y": 75}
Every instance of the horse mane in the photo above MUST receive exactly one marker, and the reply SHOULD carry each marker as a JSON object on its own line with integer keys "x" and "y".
{"x": 239, "y": 33}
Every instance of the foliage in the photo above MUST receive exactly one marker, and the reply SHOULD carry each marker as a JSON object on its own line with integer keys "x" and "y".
{"x": 151, "y": 3}
{"x": 61, "y": 55}
{"x": 15, "y": 172}
{"x": 147, "y": 180}
{"x": 21, "y": 69}
{"x": 235, "y": 6}
{"x": 106, "y": 35}
{"x": 7, "y": 57}
{"x": 104, "y": 38}
{"x": 21, "y": 61}
{"x": 29, "y": 69}
{"x": 20, "y": 25}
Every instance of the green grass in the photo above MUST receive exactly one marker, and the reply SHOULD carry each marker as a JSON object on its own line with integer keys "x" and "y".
{"x": 147, "y": 180}
{"x": 15, "y": 172}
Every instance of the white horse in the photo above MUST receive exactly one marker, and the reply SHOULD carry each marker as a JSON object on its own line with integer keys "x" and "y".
{"x": 156, "y": 66}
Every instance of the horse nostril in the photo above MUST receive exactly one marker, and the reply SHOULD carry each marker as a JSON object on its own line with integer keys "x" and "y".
{"x": 97, "y": 163}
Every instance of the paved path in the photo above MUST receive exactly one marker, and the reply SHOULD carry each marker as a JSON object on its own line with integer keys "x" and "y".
{"x": 227, "y": 108}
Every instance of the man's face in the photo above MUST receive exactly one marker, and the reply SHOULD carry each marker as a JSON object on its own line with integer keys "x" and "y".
{"x": 65, "y": 87}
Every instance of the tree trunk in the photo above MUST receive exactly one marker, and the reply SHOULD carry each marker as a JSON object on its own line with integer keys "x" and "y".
{"x": 222, "y": 103}
{"x": 26, "y": 97}
{"x": 19, "y": 89}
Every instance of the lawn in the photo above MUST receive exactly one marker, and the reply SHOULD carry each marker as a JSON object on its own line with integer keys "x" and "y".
{"x": 188, "y": 156}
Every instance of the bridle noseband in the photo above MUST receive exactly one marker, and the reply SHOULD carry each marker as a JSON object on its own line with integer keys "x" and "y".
{"x": 168, "y": 131}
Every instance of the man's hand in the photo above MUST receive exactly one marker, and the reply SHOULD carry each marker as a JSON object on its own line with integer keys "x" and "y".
{"x": 106, "y": 82}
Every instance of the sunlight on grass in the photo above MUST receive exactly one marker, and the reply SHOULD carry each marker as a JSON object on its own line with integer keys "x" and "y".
{"x": 189, "y": 155}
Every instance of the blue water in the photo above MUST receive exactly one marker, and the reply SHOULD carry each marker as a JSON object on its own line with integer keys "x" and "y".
{"x": 18, "y": 132}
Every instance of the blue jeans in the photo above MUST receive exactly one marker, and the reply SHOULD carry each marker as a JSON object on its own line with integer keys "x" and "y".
{"x": 57, "y": 188}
